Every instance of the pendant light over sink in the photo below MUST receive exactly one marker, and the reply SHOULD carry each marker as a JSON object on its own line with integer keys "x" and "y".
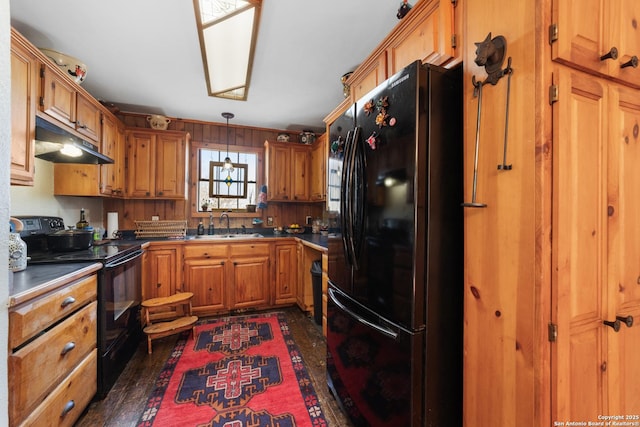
{"x": 228, "y": 166}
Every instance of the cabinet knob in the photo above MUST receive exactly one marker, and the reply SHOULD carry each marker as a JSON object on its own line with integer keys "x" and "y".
{"x": 633, "y": 62}
{"x": 159, "y": 193}
{"x": 158, "y": 285}
{"x": 67, "y": 348}
{"x": 615, "y": 324}
{"x": 612, "y": 54}
{"x": 67, "y": 301}
{"x": 67, "y": 408}
{"x": 626, "y": 320}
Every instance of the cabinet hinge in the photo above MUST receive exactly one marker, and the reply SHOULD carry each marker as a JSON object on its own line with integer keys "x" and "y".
{"x": 41, "y": 72}
{"x": 42, "y": 101}
{"x": 553, "y": 94}
{"x": 454, "y": 3}
{"x": 553, "y": 332}
{"x": 454, "y": 41}
{"x": 553, "y": 33}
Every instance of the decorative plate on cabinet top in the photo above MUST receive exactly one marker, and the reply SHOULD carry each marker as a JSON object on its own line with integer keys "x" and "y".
{"x": 75, "y": 68}
{"x": 283, "y": 137}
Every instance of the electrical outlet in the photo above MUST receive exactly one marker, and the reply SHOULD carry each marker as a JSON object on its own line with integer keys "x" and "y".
{"x": 308, "y": 220}
{"x": 155, "y": 218}
{"x": 269, "y": 221}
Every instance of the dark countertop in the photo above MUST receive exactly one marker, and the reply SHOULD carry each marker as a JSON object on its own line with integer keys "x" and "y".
{"x": 37, "y": 280}
{"x": 314, "y": 240}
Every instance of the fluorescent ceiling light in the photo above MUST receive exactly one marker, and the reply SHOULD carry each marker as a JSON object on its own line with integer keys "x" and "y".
{"x": 227, "y": 30}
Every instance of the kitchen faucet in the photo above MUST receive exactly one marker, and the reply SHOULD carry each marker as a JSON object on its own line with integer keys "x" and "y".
{"x": 222, "y": 215}
{"x": 211, "y": 223}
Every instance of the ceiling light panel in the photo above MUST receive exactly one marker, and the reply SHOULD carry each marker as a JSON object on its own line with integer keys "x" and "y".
{"x": 227, "y": 32}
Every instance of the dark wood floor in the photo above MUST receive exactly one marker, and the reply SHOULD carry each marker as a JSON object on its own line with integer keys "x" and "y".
{"x": 125, "y": 402}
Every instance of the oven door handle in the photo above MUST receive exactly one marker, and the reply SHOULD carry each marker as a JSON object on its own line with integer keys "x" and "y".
{"x": 125, "y": 260}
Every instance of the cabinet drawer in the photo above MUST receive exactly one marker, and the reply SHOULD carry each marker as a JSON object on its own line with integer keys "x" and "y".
{"x": 205, "y": 251}
{"x": 67, "y": 401}
{"x": 29, "y": 319}
{"x": 37, "y": 367}
{"x": 248, "y": 249}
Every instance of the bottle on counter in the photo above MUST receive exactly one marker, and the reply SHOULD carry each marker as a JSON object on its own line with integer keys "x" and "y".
{"x": 200, "y": 228}
{"x": 83, "y": 223}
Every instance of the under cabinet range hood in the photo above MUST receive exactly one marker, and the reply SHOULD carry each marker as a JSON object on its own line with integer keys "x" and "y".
{"x": 59, "y": 146}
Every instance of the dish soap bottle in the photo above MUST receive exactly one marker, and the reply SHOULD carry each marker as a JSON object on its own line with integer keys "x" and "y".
{"x": 83, "y": 223}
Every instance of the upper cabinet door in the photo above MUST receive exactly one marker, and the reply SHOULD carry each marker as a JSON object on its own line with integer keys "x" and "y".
{"x": 598, "y": 36}
{"x": 58, "y": 97}
{"x": 88, "y": 118}
{"x": 427, "y": 34}
{"x": 171, "y": 154}
{"x": 24, "y": 72}
{"x": 626, "y": 36}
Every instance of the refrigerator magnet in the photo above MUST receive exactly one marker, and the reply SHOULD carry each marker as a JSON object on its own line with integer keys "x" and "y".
{"x": 372, "y": 140}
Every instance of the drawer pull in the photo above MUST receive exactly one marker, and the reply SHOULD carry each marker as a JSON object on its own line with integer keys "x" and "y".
{"x": 67, "y": 348}
{"x": 67, "y": 408}
{"x": 67, "y": 301}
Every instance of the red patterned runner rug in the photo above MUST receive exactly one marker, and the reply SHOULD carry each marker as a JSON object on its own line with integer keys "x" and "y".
{"x": 240, "y": 371}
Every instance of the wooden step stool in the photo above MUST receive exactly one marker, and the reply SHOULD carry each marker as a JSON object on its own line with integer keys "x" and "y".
{"x": 169, "y": 327}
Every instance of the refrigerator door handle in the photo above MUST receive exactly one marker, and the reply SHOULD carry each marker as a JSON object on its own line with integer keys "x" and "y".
{"x": 344, "y": 201}
{"x": 359, "y": 187}
{"x": 385, "y": 331}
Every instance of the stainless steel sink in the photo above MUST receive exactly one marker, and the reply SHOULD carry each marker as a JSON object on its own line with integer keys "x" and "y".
{"x": 228, "y": 236}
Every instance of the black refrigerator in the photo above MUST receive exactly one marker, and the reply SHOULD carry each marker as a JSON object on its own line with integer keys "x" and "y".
{"x": 395, "y": 308}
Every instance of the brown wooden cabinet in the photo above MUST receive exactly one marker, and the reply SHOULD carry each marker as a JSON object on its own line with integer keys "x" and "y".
{"x": 56, "y": 332}
{"x": 286, "y": 272}
{"x": 156, "y": 164}
{"x": 73, "y": 179}
{"x": 205, "y": 274}
{"x": 62, "y": 101}
{"x": 426, "y": 33}
{"x": 368, "y": 76}
{"x": 582, "y": 43}
{"x": 110, "y": 180}
{"x": 596, "y": 237}
{"x": 535, "y": 332}
{"x": 249, "y": 275}
{"x": 318, "y": 180}
{"x": 162, "y": 273}
{"x": 24, "y": 93}
{"x": 288, "y": 171}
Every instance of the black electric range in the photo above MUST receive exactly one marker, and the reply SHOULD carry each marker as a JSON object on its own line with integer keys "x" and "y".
{"x": 35, "y": 231}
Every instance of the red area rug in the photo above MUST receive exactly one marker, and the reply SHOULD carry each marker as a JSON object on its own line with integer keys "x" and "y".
{"x": 239, "y": 371}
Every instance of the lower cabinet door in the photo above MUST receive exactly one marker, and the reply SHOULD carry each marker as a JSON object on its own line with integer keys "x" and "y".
{"x": 206, "y": 279}
{"x": 250, "y": 282}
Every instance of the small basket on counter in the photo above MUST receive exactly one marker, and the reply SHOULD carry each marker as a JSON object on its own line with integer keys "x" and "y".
{"x": 297, "y": 230}
{"x": 157, "y": 229}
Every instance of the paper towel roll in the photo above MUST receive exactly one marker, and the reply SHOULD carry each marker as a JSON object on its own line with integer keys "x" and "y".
{"x": 112, "y": 224}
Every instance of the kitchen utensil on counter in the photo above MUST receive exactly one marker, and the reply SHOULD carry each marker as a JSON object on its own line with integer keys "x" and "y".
{"x": 17, "y": 247}
{"x": 69, "y": 240}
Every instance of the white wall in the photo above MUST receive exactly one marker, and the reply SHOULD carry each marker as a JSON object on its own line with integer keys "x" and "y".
{"x": 5, "y": 150}
{"x": 39, "y": 200}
